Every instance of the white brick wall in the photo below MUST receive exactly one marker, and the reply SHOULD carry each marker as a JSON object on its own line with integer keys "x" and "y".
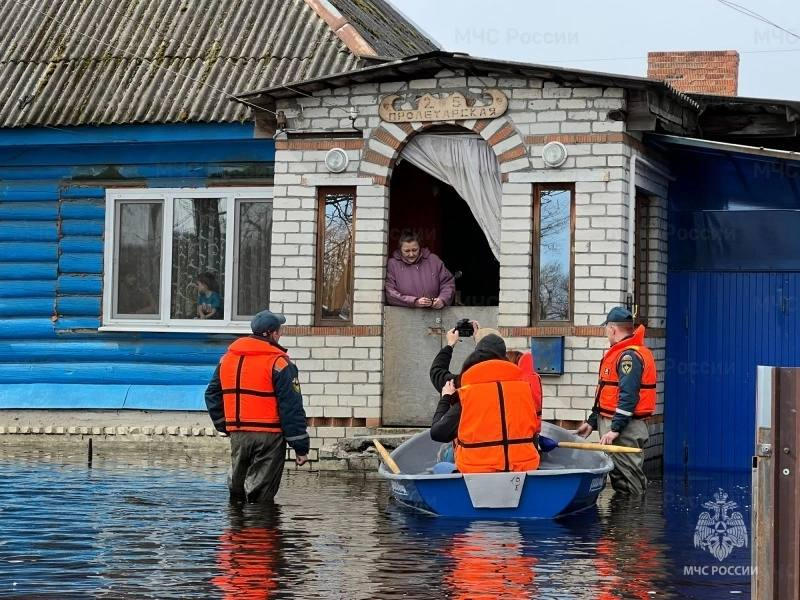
{"x": 338, "y": 378}
{"x": 338, "y": 374}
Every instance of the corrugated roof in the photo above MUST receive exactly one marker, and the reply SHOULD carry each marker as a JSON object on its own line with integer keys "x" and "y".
{"x": 385, "y": 28}
{"x": 69, "y": 62}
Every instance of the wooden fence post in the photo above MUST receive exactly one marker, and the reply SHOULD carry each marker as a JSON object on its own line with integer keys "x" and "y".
{"x": 761, "y": 534}
{"x": 776, "y": 486}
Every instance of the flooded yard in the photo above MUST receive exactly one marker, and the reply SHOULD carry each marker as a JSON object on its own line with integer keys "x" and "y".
{"x": 162, "y": 528}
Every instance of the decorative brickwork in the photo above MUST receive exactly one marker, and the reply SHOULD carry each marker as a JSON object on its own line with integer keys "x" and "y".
{"x": 395, "y": 135}
{"x": 314, "y": 331}
{"x": 295, "y": 144}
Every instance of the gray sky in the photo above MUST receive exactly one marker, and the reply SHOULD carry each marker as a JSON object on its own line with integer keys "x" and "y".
{"x": 568, "y": 32}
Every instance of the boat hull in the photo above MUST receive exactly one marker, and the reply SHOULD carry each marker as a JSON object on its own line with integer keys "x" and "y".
{"x": 568, "y": 482}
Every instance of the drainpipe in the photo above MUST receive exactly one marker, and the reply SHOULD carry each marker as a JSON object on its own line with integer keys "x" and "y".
{"x": 629, "y": 299}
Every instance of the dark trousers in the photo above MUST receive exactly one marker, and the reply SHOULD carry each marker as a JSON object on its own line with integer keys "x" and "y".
{"x": 257, "y": 460}
{"x": 628, "y": 474}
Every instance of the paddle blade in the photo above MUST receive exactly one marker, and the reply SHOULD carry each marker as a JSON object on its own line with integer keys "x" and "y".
{"x": 547, "y": 444}
{"x": 388, "y": 460}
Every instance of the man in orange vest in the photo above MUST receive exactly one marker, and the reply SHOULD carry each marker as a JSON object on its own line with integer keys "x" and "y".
{"x": 625, "y": 397}
{"x": 255, "y": 397}
{"x": 498, "y": 425}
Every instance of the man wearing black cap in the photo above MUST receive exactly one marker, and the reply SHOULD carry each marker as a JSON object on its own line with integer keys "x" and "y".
{"x": 625, "y": 397}
{"x": 255, "y": 397}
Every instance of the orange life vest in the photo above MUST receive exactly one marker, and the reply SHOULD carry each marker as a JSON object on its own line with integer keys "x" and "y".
{"x": 607, "y": 395}
{"x": 497, "y": 425}
{"x": 245, "y": 373}
{"x": 535, "y": 381}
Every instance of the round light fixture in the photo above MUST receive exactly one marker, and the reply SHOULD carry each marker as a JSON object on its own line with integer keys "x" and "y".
{"x": 336, "y": 160}
{"x": 554, "y": 154}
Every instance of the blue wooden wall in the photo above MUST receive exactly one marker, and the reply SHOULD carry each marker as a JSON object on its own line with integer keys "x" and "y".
{"x": 52, "y": 211}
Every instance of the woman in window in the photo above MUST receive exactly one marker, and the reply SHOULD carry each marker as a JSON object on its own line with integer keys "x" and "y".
{"x": 416, "y": 277}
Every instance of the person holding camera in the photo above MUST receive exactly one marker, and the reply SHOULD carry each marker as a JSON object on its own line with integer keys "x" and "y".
{"x": 444, "y": 427}
{"x": 416, "y": 277}
{"x": 488, "y": 410}
{"x": 440, "y": 367}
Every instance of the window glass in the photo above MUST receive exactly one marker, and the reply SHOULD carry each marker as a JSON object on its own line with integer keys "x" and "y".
{"x": 555, "y": 254}
{"x": 198, "y": 258}
{"x": 138, "y": 259}
{"x": 336, "y": 290}
{"x": 254, "y": 236}
{"x": 167, "y": 251}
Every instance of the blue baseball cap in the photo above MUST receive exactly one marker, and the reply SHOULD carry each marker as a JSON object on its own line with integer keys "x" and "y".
{"x": 266, "y": 321}
{"x": 618, "y": 314}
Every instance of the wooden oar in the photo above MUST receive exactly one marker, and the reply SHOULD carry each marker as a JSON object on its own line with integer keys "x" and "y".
{"x": 547, "y": 444}
{"x": 386, "y": 458}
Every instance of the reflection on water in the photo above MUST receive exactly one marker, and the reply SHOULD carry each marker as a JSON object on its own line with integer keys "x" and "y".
{"x": 164, "y": 529}
{"x": 249, "y": 552}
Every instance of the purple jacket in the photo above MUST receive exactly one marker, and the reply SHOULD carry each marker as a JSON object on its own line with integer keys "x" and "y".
{"x": 428, "y": 277}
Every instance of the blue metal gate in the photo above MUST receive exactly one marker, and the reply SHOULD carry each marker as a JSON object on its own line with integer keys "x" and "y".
{"x": 721, "y": 325}
{"x": 732, "y": 295}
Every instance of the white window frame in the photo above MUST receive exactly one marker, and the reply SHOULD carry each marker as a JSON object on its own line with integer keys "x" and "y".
{"x": 233, "y": 196}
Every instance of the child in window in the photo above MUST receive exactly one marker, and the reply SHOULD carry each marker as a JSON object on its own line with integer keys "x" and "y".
{"x": 209, "y": 303}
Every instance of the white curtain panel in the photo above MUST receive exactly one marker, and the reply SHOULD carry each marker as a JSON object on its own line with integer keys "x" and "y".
{"x": 469, "y": 165}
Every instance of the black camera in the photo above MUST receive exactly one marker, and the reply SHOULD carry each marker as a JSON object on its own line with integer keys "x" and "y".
{"x": 464, "y": 328}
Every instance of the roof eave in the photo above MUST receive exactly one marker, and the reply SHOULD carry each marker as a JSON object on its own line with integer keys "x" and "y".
{"x": 415, "y": 66}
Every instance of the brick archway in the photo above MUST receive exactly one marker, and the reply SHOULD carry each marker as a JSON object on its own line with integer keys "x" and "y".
{"x": 387, "y": 141}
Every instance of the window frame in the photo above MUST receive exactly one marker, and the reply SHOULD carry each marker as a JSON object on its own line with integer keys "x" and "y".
{"x": 535, "y": 254}
{"x": 322, "y": 191}
{"x": 642, "y": 247}
{"x": 233, "y": 196}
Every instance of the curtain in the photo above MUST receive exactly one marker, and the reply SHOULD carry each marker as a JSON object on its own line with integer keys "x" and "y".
{"x": 469, "y": 165}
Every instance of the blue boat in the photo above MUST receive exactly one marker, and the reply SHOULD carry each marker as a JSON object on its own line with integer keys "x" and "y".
{"x": 567, "y": 481}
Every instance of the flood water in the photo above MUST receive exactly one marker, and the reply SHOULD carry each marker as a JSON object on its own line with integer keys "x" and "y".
{"x": 133, "y": 528}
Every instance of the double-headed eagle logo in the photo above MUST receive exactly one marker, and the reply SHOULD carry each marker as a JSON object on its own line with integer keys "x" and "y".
{"x": 717, "y": 531}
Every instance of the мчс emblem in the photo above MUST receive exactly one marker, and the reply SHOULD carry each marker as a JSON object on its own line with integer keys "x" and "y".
{"x": 717, "y": 531}
{"x": 626, "y": 364}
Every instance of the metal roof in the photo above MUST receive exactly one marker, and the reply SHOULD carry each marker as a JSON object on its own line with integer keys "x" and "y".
{"x": 426, "y": 65}
{"x": 701, "y": 144}
{"x": 68, "y": 62}
{"x": 715, "y": 100}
